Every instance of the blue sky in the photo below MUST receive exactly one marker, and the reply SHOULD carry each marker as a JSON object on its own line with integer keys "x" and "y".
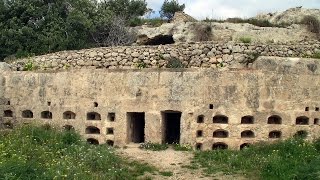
{"x": 221, "y": 9}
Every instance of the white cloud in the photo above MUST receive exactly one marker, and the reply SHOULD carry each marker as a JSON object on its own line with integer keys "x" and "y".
{"x": 201, "y": 9}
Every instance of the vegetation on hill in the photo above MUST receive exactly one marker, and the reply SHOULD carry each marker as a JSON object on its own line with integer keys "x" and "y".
{"x": 168, "y": 8}
{"x": 313, "y": 24}
{"x": 41, "y": 153}
{"x": 290, "y": 159}
{"x": 33, "y": 27}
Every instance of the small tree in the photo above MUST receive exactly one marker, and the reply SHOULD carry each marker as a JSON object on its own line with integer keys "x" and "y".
{"x": 168, "y": 8}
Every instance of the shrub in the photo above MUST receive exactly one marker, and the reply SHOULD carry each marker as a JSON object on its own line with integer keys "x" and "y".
{"x": 202, "y": 32}
{"x": 154, "y": 146}
{"x": 30, "y": 66}
{"x": 154, "y": 22}
{"x": 316, "y": 55}
{"x": 115, "y": 34}
{"x": 174, "y": 63}
{"x": 312, "y": 23}
{"x": 141, "y": 65}
{"x": 245, "y": 39}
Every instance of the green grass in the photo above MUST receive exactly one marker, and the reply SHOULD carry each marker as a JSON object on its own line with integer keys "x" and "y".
{"x": 290, "y": 159}
{"x": 166, "y": 173}
{"x": 245, "y": 40}
{"x": 31, "y": 152}
{"x": 316, "y": 55}
{"x": 182, "y": 147}
{"x": 154, "y": 146}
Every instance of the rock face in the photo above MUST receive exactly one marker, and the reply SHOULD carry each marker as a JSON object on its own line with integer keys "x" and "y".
{"x": 290, "y": 16}
{"x": 204, "y": 108}
{"x": 182, "y": 17}
{"x": 185, "y": 32}
{"x": 183, "y": 28}
{"x": 4, "y": 67}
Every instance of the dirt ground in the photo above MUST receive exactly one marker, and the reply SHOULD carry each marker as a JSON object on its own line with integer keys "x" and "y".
{"x": 172, "y": 161}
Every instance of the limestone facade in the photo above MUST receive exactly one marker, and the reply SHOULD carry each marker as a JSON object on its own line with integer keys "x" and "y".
{"x": 207, "y": 108}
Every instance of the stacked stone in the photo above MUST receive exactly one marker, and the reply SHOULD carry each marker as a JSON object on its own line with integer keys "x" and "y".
{"x": 191, "y": 55}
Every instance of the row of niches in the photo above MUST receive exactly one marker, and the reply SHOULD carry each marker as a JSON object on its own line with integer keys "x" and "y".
{"x": 272, "y": 134}
{"x": 274, "y": 119}
{"x": 96, "y": 130}
{"x": 220, "y": 133}
{"x": 90, "y": 130}
{"x": 67, "y": 115}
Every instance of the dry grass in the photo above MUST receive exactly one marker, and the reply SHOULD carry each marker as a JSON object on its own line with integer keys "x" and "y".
{"x": 202, "y": 32}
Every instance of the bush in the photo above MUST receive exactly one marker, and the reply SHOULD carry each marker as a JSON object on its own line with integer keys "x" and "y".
{"x": 202, "y": 32}
{"x": 312, "y": 23}
{"x": 316, "y": 55}
{"x": 174, "y": 63}
{"x": 154, "y": 22}
{"x": 115, "y": 34}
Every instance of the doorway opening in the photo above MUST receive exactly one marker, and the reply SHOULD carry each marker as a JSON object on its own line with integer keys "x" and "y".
{"x": 171, "y": 127}
{"x": 136, "y": 125}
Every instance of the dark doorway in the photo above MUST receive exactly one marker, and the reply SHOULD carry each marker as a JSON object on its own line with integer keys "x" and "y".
{"x": 171, "y": 126}
{"x": 160, "y": 39}
{"x": 136, "y": 124}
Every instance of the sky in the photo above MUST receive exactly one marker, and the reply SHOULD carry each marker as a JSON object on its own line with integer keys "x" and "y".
{"x": 221, "y": 9}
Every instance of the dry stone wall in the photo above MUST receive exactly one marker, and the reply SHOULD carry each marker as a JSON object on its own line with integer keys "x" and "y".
{"x": 191, "y": 55}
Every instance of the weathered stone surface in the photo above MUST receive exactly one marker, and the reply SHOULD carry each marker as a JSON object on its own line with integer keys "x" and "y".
{"x": 4, "y": 66}
{"x": 290, "y": 16}
{"x": 204, "y": 99}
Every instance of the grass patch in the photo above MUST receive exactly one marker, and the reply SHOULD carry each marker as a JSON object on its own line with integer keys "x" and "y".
{"x": 31, "y": 152}
{"x": 166, "y": 173}
{"x": 202, "y": 32}
{"x": 245, "y": 40}
{"x": 316, "y": 55}
{"x": 290, "y": 159}
{"x": 182, "y": 147}
{"x": 154, "y": 146}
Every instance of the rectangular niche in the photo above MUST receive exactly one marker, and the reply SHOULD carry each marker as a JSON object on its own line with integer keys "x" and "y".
{"x": 111, "y": 117}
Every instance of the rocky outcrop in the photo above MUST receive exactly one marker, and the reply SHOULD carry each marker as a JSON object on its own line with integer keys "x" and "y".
{"x": 290, "y": 16}
{"x": 185, "y": 32}
{"x": 4, "y": 66}
{"x": 180, "y": 16}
